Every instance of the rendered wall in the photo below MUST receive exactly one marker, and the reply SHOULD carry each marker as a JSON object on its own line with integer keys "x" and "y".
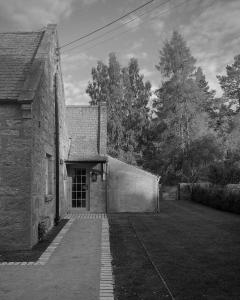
{"x": 15, "y": 178}
{"x": 131, "y": 189}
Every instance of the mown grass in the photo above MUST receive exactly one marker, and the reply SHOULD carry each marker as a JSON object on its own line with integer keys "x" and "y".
{"x": 196, "y": 249}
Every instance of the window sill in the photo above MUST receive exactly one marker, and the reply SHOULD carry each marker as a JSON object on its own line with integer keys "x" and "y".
{"x": 48, "y": 198}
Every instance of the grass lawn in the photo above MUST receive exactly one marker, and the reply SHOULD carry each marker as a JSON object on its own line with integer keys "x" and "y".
{"x": 195, "y": 248}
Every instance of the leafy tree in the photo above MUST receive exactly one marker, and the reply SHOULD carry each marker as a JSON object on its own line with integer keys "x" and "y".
{"x": 127, "y": 97}
{"x": 136, "y": 94}
{"x": 98, "y": 88}
{"x": 115, "y": 107}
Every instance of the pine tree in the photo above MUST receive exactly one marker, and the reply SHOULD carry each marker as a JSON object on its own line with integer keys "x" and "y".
{"x": 182, "y": 107}
{"x": 230, "y": 83}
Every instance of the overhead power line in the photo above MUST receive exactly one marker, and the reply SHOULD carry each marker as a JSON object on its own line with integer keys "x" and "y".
{"x": 115, "y": 29}
{"x": 107, "y": 25}
{"x": 162, "y": 12}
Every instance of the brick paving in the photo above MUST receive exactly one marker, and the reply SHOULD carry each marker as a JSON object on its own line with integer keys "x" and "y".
{"x": 76, "y": 265}
{"x": 106, "y": 275}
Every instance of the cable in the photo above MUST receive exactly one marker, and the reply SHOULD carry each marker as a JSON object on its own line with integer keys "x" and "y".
{"x": 107, "y": 25}
{"x": 114, "y": 29}
{"x": 126, "y": 31}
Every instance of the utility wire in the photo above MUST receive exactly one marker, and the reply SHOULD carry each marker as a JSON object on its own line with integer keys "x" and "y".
{"x": 114, "y": 29}
{"x": 123, "y": 32}
{"x": 107, "y": 25}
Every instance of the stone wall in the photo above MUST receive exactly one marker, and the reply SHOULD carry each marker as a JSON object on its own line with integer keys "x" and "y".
{"x": 43, "y": 113}
{"x": 27, "y": 138}
{"x": 15, "y": 177}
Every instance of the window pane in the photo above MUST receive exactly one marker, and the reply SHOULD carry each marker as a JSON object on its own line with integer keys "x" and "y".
{"x": 83, "y": 203}
{"x": 79, "y": 171}
{"x": 79, "y": 187}
{"x": 73, "y": 195}
{"x": 73, "y": 203}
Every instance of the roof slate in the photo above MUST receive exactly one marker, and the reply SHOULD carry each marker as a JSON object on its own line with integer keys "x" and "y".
{"x": 17, "y": 51}
{"x": 82, "y": 124}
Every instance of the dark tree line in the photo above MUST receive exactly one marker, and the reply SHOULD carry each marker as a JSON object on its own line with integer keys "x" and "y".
{"x": 187, "y": 128}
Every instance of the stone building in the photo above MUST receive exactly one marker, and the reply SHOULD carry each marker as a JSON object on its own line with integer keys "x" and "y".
{"x": 32, "y": 112}
{"x": 53, "y": 158}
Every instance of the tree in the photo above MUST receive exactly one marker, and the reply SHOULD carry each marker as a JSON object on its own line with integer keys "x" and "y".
{"x": 229, "y": 114}
{"x": 98, "y": 89}
{"x": 127, "y": 96}
{"x": 182, "y": 105}
{"x": 115, "y": 107}
{"x": 230, "y": 83}
{"x": 136, "y": 122}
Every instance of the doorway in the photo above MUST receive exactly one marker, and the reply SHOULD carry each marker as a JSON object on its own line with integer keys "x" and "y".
{"x": 80, "y": 189}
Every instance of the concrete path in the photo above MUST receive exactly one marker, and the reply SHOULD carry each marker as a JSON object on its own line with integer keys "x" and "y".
{"x": 72, "y": 272}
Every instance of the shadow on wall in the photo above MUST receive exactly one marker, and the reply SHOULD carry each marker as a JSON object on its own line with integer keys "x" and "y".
{"x": 131, "y": 189}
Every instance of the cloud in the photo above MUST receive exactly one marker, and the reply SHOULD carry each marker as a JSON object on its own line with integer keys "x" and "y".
{"x": 74, "y": 61}
{"x": 213, "y": 41}
{"x": 32, "y": 14}
{"x": 140, "y": 55}
{"x": 137, "y": 44}
{"x": 132, "y": 22}
{"x": 75, "y": 92}
{"x": 210, "y": 28}
{"x": 146, "y": 72}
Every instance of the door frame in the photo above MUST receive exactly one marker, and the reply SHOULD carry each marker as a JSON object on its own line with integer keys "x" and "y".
{"x": 71, "y": 174}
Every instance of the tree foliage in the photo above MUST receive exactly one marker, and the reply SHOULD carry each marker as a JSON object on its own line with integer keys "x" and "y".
{"x": 187, "y": 129}
{"x": 183, "y": 107}
{"x": 230, "y": 83}
{"x": 127, "y": 97}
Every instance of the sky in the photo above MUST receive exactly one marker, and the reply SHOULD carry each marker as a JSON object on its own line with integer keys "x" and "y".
{"x": 211, "y": 29}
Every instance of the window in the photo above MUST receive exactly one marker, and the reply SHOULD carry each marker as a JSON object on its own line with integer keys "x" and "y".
{"x": 49, "y": 174}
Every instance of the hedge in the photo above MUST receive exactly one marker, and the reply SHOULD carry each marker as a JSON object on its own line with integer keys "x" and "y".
{"x": 217, "y": 197}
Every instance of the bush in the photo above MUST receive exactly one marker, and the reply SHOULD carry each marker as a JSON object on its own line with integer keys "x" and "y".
{"x": 217, "y": 197}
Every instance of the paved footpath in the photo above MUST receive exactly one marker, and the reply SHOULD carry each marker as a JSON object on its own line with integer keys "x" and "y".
{"x": 71, "y": 273}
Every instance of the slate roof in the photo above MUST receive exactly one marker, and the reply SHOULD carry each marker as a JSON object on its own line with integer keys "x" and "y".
{"x": 82, "y": 124}
{"x": 17, "y": 51}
